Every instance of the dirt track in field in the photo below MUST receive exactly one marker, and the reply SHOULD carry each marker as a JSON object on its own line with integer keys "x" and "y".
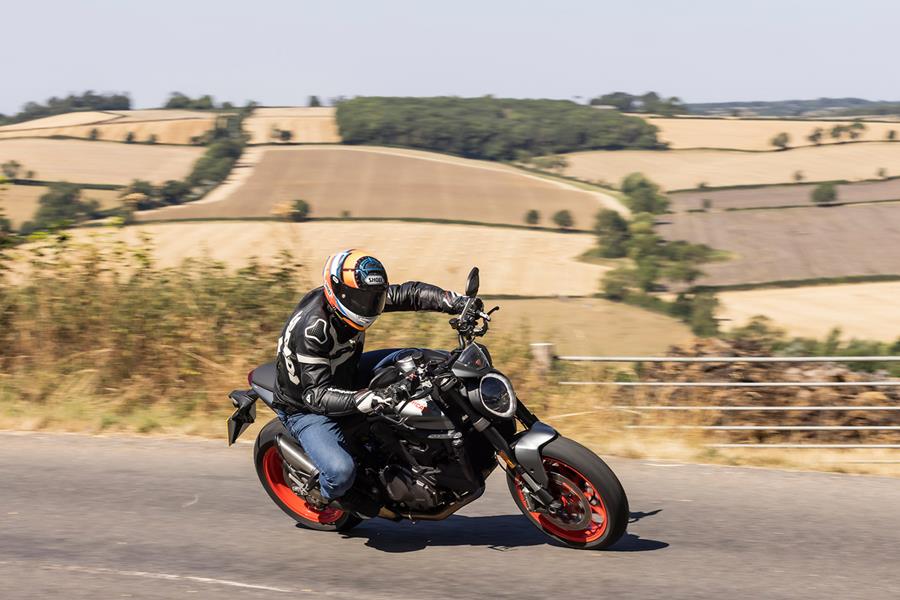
{"x": 862, "y": 310}
{"x": 754, "y": 134}
{"x": 795, "y": 243}
{"x": 79, "y": 161}
{"x": 379, "y": 182}
{"x": 687, "y": 169}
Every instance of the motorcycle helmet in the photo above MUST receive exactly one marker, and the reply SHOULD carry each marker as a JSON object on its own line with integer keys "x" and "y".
{"x": 355, "y": 287}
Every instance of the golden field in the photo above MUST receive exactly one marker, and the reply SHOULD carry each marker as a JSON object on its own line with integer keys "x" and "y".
{"x": 683, "y": 169}
{"x": 441, "y": 254}
{"x": 169, "y": 126}
{"x": 382, "y": 182}
{"x": 861, "y": 310}
{"x": 753, "y": 134}
{"x": 19, "y": 202}
{"x": 81, "y": 161}
{"x": 316, "y": 125}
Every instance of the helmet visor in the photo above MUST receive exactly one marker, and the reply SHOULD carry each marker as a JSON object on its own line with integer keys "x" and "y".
{"x": 365, "y": 303}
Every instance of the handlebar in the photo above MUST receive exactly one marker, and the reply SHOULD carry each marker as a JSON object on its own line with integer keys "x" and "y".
{"x": 467, "y": 323}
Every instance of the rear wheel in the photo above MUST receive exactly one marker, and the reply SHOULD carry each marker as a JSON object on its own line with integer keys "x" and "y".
{"x": 594, "y": 511}
{"x": 272, "y": 474}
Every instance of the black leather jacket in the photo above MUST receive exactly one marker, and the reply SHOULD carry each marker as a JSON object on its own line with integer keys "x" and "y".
{"x": 318, "y": 353}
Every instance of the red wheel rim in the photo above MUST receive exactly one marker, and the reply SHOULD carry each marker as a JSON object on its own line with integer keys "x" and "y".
{"x": 598, "y": 521}
{"x": 273, "y": 467}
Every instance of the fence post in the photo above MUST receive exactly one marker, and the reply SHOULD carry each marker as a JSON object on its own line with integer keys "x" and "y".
{"x": 542, "y": 356}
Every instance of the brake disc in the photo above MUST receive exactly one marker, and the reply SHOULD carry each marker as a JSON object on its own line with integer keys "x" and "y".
{"x": 576, "y": 512}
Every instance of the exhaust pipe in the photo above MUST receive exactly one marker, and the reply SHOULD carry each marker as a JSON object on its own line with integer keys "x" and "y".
{"x": 295, "y": 456}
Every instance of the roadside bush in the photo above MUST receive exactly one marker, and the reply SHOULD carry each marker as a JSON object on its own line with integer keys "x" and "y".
{"x": 299, "y": 210}
{"x": 642, "y": 195}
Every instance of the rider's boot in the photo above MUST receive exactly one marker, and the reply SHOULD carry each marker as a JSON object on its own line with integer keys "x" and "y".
{"x": 356, "y": 502}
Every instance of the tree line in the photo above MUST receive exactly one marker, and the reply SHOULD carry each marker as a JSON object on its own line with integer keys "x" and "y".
{"x": 651, "y": 103}
{"x": 89, "y": 100}
{"x": 489, "y": 128}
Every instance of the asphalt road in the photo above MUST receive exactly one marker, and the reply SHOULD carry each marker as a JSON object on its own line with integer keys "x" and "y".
{"x": 84, "y": 517}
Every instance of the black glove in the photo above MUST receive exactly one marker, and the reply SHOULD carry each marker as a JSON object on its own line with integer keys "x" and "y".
{"x": 459, "y": 303}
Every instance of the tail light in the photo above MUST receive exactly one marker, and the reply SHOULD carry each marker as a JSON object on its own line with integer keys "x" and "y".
{"x": 250, "y": 378}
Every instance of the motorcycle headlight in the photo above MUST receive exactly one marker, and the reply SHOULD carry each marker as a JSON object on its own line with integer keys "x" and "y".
{"x": 497, "y": 396}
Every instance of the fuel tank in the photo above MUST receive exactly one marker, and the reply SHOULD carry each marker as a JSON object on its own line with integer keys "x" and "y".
{"x": 424, "y": 413}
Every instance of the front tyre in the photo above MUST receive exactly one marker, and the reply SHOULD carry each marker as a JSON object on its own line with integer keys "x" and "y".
{"x": 594, "y": 510}
{"x": 273, "y": 476}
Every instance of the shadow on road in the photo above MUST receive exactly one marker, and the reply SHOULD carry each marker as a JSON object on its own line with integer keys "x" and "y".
{"x": 497, "y": 532}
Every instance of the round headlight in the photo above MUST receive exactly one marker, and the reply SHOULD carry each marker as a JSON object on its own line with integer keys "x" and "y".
{"x": 497, "y": 395}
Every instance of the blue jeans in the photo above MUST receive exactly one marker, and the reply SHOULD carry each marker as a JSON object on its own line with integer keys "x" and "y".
{"x": 323, "y": 440}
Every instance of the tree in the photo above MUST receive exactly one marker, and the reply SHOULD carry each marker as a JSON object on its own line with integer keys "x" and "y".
{"x": 702, "y": 319}
{"x": 94, "y": 134}
{"x": 612, "y": 233}
{"x": 151, "y": 139}
{"x": 837, "y": 131}
{"x": 62, "y": 206}
{"x": 891, "y": 135}
{"x": 532, "y": 217}
{"x": 129, "y": 137}
{"x": 642, "y": 195}
{"x": 174, "y": 191}
{"x": 563, "y": 219}
{"x": 824, "y": 193}
{"x": 856, "y": 129}
{"x": 816, "y": 136}
{"x": 299, "y": 210}
{"x": 781, "y": 140}
{"x": 11, "y": 169}
{"x": 799, "y": 176}
{"x": 313, "y": 101}
{"x": 707, "y": 204}
{"x": 617, "y": 283}
{"x": 882, "y": 173}
{"x": 285, "y": 135}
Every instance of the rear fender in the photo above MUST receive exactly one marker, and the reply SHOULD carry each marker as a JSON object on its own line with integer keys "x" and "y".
{"x": 527, "y": 450}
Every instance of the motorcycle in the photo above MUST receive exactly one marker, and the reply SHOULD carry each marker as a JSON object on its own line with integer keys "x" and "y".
{"x": 431, "y": 453}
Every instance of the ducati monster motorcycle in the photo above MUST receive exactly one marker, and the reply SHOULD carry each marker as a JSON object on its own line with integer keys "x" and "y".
{"x": 454, "y": 421}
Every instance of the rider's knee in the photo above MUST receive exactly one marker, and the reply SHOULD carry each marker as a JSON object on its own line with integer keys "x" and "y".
{"x": 340, "y": 475}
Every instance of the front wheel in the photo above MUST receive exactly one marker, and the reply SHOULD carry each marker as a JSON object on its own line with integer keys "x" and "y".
{"x": 594, "y": 511}
{"x": 273, "y": 476}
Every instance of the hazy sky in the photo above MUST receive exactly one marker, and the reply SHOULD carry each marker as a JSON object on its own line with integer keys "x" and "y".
{"x": 280, "y": 51}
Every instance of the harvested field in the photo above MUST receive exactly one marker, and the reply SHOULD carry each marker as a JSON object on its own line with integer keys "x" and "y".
{"x": 753, "y": 134}
{"x": 794, "y": 243}
{"x": 307, "y": 125}
{"x": 442, "y": 254}
{"x": 80, "y": 161}
{"x": 380, "y": 182}
{"x": 861, "y": 310}
{"x": 687, "y": 169}
{"x": 783, "y": 195}
{"x": 169, "y": 126}
{"x": 19, "y": 202}
{"x": 590, "y": 326}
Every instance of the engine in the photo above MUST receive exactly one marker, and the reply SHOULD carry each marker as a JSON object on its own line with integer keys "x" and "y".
{"x": 408, "y": 490}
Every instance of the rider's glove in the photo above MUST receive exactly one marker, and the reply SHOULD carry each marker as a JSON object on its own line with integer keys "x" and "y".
{"x": 459, "y": 303}
{"x": 368, "y": 401}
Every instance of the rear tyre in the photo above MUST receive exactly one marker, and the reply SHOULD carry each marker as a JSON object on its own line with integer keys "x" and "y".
{"x": 272, "y": 475}
{"x": 595, "y": 507}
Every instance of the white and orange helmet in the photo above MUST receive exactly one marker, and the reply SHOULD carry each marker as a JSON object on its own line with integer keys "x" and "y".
{"x": 355, "y": 287}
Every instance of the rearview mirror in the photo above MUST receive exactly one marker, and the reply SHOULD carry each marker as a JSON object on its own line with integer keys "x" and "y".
{"x": 472, "y": 283}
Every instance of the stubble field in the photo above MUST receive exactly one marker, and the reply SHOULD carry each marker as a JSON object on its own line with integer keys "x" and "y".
{"x": 783, "y": 195}
{"x": 315, "y": 125}
{"x": 380, "y": 182}
{"x": 688, "y": 169}
{"x": 168, "y": 126}
{"x": 754, "y": 134}
{"x": 861, "y": 310}
{"x": 79, "y": 161}
{"x": 795, "y": 243}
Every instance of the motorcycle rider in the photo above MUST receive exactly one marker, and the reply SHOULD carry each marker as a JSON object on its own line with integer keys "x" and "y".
{"x": 322, "y": 370}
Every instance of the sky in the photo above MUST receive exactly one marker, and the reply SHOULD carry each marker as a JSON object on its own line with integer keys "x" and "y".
{"x": 278, "y": 52}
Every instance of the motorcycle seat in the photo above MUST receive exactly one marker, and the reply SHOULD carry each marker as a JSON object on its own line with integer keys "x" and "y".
{"x": 264, "y": 376}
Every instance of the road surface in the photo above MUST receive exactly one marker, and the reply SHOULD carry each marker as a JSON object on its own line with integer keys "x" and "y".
{"x": 120, "y": 517}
